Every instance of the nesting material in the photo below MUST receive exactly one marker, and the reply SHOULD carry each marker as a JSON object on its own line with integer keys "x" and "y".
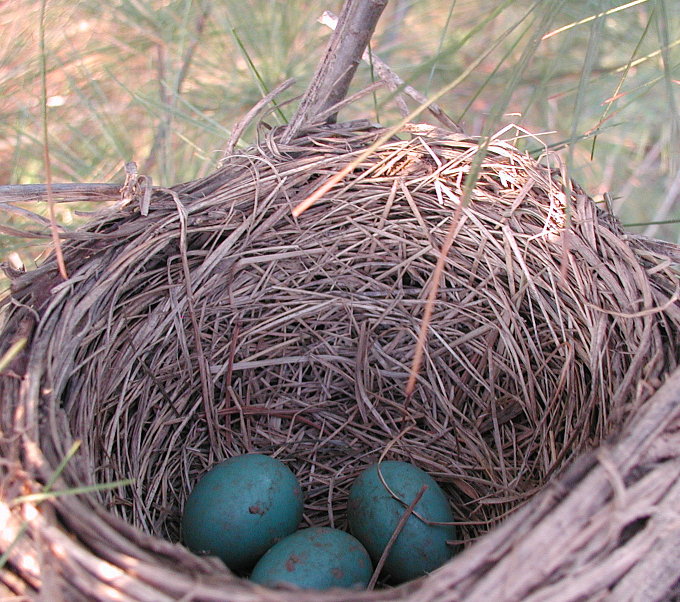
{"x": 219, "y": 324}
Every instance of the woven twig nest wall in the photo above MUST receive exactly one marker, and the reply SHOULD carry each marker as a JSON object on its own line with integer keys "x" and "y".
{"x": 220, "y": 324}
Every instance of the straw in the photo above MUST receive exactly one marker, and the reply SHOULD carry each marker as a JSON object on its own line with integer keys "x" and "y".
{"x": 220, "y": 324}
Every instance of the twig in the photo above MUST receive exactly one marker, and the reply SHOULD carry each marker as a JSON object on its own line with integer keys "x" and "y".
{"x": 394, "y": 82}
{"x": 136, "y": 188}
{"x": 306, "y": 203}
{"x": 16, "y": 193}
{"x": 334, "y": 72}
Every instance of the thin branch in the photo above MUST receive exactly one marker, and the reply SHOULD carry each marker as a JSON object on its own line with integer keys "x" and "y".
{"x": 394, "y": 82}
{"x": 335, "y": 71}
{"x": 17, "y": 193}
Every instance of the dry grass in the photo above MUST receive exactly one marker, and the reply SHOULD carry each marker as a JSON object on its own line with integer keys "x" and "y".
{"x": 220, "y": 324}
{"x": 162, "y": 83}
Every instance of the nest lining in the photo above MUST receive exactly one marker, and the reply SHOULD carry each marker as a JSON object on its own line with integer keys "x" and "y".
{"x": 220, "y": 324}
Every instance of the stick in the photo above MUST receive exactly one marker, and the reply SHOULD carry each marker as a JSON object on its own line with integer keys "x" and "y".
{"x": 334, "y": 72}
{"x": 60, "y": 192}
{"x": 394, "y": 82}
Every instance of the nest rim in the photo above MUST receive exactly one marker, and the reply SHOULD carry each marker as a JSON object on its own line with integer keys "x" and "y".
{"x": 203, "y": 196}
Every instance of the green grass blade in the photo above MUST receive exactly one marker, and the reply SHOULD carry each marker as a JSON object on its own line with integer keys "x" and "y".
{"x": 590, "y": 18}
{"x": 46, "y": 495}
{"x": 438, "y": 53}
{"x": 475, "y": 30}
{"x": 6, "y": 554}
{"x": 663, "y": 22}
{"x": 653, "y": 223}
{"x": 615, "y": 96}
{"x": 587, "y": 69}
{"x": 62, "y": 465}
{"x": 501, "y": 63}
{"x": 527, "y": 55}
{"x": 12, "y": 352}
{"x": 263, "y": 87}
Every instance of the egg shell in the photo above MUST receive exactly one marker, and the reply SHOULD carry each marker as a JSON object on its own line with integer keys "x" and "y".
{"x": 240, "y": 508}
{"x": 315, "y": 558}
{"x": 373, "y": 515}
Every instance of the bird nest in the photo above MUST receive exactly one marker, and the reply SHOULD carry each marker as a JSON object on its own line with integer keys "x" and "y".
{"x": 215, "y": 322}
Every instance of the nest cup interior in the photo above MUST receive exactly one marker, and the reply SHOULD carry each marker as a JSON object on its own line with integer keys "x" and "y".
{"x": 220, "y": 324}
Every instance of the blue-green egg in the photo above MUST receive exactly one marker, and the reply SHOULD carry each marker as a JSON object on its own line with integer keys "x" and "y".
{"x": 240, "y": 508}
{"x": 373, "y": 515}
{"x": 315, "y": 558}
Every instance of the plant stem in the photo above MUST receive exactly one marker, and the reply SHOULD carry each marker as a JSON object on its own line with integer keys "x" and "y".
{"x": 46, "y": 149}
{"x": 335, "y": 71}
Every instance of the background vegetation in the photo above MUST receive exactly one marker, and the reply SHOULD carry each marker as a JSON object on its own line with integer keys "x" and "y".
{"x": 162, "y": 82}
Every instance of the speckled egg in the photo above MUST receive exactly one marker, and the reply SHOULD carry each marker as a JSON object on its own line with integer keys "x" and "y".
{"x": 315, "y": 558}
{"x": 240, "y": 508}
{"x": 373, "y": 515}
